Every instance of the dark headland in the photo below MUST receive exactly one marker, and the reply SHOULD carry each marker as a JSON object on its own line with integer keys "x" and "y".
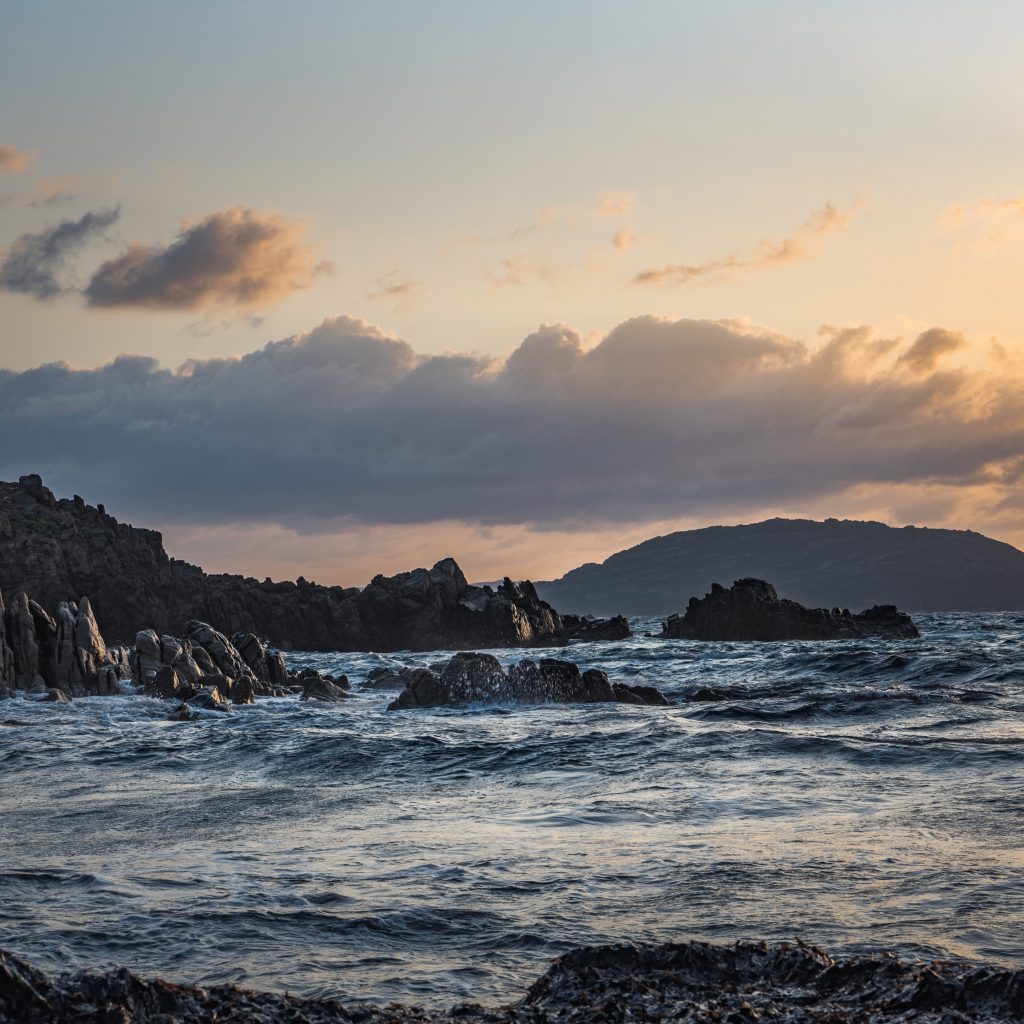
{"x": 57, "y": 550}
{"x": 820, "y": 564}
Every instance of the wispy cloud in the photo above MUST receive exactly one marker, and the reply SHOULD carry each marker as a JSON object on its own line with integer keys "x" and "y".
{"x": 996, "y": 218}
{"x": 614, "y": 204}
{"x": 50, "y": 191}
{"x": 801, "y": 245}
{"x": 519, "y": 271}
{"x": 13, "y": 159}
{"x": 236, "y": 257}
{"x": 398, "y": 288}
{"x": 35, "y": 263}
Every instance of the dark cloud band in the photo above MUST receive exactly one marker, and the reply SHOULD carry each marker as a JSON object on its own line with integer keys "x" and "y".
{"x": 660, "y": 419}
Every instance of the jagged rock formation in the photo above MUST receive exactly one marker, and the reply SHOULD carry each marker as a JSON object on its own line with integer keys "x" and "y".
{"x": 854, "y": 564}
{"x": 63, "y": 653}
{"x": 471, "y": 678}
{"x": 57, "y": 550}
{"x": 752, "y": 610}
{"x": 590, "y": 629}
{"x": 681, "y": 982}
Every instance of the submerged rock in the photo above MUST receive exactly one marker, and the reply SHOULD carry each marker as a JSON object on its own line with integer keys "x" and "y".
{"x": 685, "y": 983}
{"x": 476, "y": 678}
{"x": 752, "y": 610}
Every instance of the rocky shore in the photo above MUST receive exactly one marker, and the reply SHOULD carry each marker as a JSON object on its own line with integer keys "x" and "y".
{"x": 64, "y": 656}
{"x": 684, "y": 982}
{"x": 56, "y": 550}
{"x": 752, "y": 610}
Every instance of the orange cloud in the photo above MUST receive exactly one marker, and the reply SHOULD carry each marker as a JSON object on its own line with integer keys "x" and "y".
{"x": 12, "y": 159}
{"x": 794, "y": 248}
{"x": 236, "y": 257}
{"x": 624, "y": 239}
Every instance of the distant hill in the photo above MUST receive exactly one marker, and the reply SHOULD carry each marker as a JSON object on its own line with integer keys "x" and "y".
{"x": 838, "y": 562}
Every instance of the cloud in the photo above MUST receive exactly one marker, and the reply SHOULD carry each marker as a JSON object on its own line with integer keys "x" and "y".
{"x": 624, "y": 239}
{"x": 519, "y": 271}
{"x": 50, "y": 191}
{"x": 12, "y": 159}
{"x": 396, "y": 287}
{"x": 237, "y": 257}
{"x": 794, "y": 248}
{"x": 930, "y": 347}
{"x": 614, "y": 203}
{"x": 996, "y": 218}
{"x": 348, "y": 425}
{"x": 35, "y": 262}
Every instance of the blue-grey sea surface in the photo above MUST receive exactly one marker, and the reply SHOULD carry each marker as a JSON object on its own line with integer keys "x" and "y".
{"x": 857, "y": 795}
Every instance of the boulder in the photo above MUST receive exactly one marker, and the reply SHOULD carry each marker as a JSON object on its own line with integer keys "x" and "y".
{"x": 7, "y": 683}
{"x": 165, "y": 684}
{"x": 209, "y": 698}
{"x": 588, "y": 629}
{"x": 470, "y": 678}
{"x": 318, "y": 688}
{"x": 222, "y": 652}
{"x": 651, "y": 696}
{"x": 21, "y": 637}
{"x": 752, "y": 610}
{"x": 243, "y": 691}
{"x": 277, "y": 671}
{"x": 387, "y": 679}
{"x": 57, "y": 696}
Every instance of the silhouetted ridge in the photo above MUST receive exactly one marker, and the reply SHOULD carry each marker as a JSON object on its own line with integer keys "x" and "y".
{"x": 56, "y": 550}
{"x": 819, "y": 564}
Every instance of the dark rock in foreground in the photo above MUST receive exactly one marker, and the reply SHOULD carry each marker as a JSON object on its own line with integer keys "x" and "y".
{"x": 56, "y": 550}
{"x": 686, "y": 982}
{"x": 752, "y": 610}
{"x": 474, "y": 678}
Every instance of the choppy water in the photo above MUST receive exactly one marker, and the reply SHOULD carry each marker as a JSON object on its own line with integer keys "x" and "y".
{"x": 858, "y": 795}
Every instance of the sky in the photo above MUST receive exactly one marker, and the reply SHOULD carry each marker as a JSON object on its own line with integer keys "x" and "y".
{"x": 345, "y": 288}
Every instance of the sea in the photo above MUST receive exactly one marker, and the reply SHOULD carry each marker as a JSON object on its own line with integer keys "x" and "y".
{"x": 857, "y": 796}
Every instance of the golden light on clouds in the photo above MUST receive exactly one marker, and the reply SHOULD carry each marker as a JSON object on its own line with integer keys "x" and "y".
{"x": 236, "y": 257}
{"x": 801, "y": 245}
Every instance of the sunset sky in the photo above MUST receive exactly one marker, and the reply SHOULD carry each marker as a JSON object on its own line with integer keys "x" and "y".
{"x": 341, "y": 288}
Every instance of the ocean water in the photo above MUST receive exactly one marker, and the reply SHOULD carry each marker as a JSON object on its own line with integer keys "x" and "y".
{"x": 859, "y": 796}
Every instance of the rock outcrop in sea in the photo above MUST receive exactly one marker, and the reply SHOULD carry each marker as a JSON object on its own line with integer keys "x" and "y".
{"x": 752, "y": 610}
{"x": 60, "y": 653}
{"x": 56, "y": 550}
{"x": 474, "y": 678}
{"x": 681, "y": 982}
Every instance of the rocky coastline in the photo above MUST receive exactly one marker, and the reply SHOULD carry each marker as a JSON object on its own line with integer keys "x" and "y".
{"x": 64, "y": 656}
{"x": 55, "y": 550}
{"x": 692, "y": 981}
